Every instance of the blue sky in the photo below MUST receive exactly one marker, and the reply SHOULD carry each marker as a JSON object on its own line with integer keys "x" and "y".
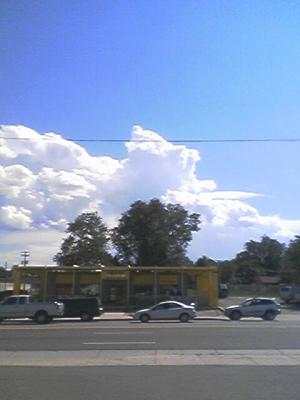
{"x": 183, "y": 69}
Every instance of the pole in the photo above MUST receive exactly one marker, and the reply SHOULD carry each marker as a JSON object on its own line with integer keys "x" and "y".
{"x": 25, "y": 254}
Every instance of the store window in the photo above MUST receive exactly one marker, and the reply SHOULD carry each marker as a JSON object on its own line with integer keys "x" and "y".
{"x": 142, "y": 288}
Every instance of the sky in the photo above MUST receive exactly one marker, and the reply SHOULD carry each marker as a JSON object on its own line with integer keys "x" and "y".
{"x": 165, "y": 73}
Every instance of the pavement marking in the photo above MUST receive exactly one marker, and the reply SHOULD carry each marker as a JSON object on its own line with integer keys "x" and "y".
{"x": 123, "y": 333}
{"x": 255, "y": 358}
{"x": 92, "y": 343}
{"x": 156, "y": 326}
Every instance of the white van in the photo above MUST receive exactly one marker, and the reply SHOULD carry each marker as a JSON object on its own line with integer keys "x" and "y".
{"x": 290, "y": 293}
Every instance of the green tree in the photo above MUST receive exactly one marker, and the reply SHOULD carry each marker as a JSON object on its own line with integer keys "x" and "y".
{"x": 266, "y": 254}
{"x": 291, "y": 261}
{"x": 259, "y": 258}
{"x": 246, "y": 268}
{"x": 87, "y": 242}
{"x": 154, "y": 234}
{"x": 226, "y": 270}
{"x": 205, "y": 262}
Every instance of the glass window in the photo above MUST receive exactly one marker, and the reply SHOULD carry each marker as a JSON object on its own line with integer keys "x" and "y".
{"x": 10, "y": 301}
{"x": 22, "y": 300}
{"x": 175, "y": 305}
{"x": 266, "y": 302}
{"x": 164, "y": 306}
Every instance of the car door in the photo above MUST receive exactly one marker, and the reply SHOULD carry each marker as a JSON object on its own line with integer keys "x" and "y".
{"x": 174, "y": 310}
{"x": 160, "y": 311}
{"x": 255, "y": 308}
{"x": 23, "y": 305}
{"x": 248, "y": 308}
{"x": 10, "y": 308}
{"x": 260, "y": 307}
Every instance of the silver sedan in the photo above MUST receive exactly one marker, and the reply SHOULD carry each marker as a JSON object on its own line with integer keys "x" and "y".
{"x": 166, "y": 310}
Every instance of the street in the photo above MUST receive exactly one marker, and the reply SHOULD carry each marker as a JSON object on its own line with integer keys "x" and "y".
{"x": 150, "y": 383}
{"x": 208, "y": 359}
{"x": 158, "y": 335}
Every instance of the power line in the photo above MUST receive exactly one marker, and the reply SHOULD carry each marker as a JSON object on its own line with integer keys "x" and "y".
{"x": 263, "y": 140}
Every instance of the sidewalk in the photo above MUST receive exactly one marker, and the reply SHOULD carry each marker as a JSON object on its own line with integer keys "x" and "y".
{"x": 115, "y": 316}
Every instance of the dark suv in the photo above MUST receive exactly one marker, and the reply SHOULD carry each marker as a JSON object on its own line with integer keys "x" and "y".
{"x": 84, "y": 307}
{"x": 261, "y": 307}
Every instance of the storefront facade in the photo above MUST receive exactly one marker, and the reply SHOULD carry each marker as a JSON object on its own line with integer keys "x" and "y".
{"x": 121, "y": 286}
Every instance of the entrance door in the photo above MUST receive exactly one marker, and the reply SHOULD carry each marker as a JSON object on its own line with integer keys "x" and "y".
{"x": 114, "y": 293}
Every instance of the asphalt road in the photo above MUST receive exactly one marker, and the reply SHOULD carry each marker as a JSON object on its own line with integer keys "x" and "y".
{"x": 121, "y": 335}
{"x": 205, "y": 359}
{"x": 150, "y": 383}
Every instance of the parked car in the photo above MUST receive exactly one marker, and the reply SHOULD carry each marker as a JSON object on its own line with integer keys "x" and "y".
{"x": 166, "y": 310}
{"x": 25, "y": 306}
{"x": 261, "y": 307}
{"x": 290, "y": 293}
{"x": 86, "y": 308}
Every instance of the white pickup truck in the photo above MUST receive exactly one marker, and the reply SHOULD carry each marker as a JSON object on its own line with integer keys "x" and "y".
{"x": 25, "y": 306}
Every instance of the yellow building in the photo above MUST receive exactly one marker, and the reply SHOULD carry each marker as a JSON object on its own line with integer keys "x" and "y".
{"x": 121, "y": 286}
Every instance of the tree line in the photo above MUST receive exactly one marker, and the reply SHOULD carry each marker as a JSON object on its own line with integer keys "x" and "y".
{"x": 148, "y": 234}
{"x": 267, "y": 257}
{"x": 158, "y": 234}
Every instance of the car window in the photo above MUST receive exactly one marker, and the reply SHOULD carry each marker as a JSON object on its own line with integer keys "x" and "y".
{"x": 160, "y": 307}
{"x": 10, "y": 301}
{"x": 22, "y": 300}
{"x": 175, "y": 305}
{"x": 267, "y": 302}
{"x": 285, "y": 289}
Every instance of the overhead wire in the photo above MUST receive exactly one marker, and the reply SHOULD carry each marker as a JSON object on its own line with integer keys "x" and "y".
{"x": 106, "y": 140}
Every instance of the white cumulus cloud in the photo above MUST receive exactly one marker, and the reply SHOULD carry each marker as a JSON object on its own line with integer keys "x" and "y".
{"x": 46, "y": 181}
{"x": 13, "y": 217}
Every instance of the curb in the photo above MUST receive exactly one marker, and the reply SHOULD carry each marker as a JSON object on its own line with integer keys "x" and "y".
{"x": 129, "y": 318}
{"x": 135, "y": 320}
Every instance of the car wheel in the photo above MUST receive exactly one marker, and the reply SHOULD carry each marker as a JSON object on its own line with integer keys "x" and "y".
{"x": 144, "y": 318}
{"x": 41, "y": 317}
{"x": 184, "y": 317}
{"x": 269, "y": 315}
{"x": 235, "y": 315}
{"x": 86, "y": 317}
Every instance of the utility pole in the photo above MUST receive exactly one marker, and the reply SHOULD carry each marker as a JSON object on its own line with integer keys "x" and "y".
{"x": 5, "y": 279}
{"x": 25, "y": 254}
